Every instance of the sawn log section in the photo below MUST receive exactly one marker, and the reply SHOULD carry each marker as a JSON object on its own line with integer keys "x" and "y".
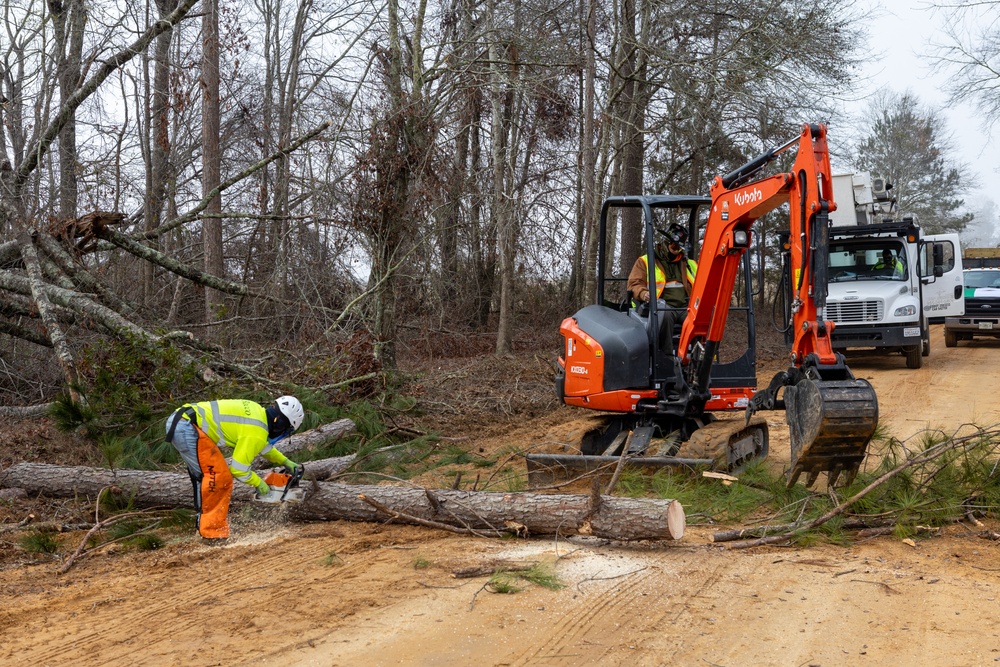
{"x": 524, "y": 513}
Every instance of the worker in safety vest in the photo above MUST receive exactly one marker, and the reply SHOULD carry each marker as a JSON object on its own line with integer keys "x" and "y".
{"x": 674, "y": 271}
{"x": 675, "y": 274}
{"x": 198, "y": 430}
{"x": 889, "y": 265}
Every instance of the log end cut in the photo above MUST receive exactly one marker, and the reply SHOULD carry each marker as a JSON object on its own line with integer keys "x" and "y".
{"x": 676, "y": 520}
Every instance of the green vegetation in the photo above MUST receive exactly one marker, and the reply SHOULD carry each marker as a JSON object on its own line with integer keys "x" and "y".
{"x": 507, "y": 582}
{"x": 39, "y": 542}
{"x": 503, "y": 582}
{"x": 962, "y": 478}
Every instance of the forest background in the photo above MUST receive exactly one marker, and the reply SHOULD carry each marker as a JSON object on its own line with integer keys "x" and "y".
{"x": 207, "y": 197}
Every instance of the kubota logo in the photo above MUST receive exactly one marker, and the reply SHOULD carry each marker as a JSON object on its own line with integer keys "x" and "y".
{"x": 579, "y": 370}
{"x": 743, "y": 198}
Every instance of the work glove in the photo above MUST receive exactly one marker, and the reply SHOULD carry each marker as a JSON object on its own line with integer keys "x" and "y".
{"x": 262, "y": 489}
{"x": 289, "y": 467}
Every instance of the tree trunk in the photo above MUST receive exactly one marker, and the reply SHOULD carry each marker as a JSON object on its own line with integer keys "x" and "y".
{"x": 41, "y": 299}
{"x": 609, "y": 517}
{"x": 317, "y": 436}
{"x": 501, "y": 210}
{"x": 588, "y": 281}
{"x": 69, "y": 20}
{"x": 159, "y": 140}
{"x": 633, "y": 110}
{"x": 211, "y": 158}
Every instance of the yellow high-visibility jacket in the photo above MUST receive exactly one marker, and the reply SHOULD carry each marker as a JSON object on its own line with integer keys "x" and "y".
{"x": 638, "y": 277}
{"x": 242, "y": 426}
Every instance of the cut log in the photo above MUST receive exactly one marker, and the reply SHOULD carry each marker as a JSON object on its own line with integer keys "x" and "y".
{"x": 491, "y": 513}
{"x": 317, "y": 436}
{"x": 324, "y": 469}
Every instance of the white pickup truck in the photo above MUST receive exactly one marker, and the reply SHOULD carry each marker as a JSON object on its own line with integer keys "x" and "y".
{"x": 982, "y": 306}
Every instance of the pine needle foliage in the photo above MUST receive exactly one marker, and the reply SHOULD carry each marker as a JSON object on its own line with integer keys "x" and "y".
{"x": 39, "y": 542}
{"x": 504, "y": 583}
{"x": 937, "y": 478}
{"x": 542, "y": 575}
{"x": 508, "y": 582}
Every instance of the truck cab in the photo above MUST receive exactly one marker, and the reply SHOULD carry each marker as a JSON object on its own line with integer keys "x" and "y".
{"x": 886, "y": 280}
{"x": 982, "y": 298}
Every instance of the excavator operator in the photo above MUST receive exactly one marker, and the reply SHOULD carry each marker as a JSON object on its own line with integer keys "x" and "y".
{"x": 675, "y": 274}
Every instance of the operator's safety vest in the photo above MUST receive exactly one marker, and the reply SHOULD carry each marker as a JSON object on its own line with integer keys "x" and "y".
{"x": 665, "y": 289}
{"x": 894, "y": 264}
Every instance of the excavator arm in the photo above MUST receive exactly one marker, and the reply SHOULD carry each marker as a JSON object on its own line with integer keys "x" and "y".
{"x": 831, "y": 415}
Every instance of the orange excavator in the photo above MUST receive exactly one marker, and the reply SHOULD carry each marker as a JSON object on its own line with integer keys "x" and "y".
{"x": 662, "y": 403}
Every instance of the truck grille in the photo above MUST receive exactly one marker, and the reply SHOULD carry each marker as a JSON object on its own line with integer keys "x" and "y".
{"x": 844, "y": 312}
{"x": 981, "y": 307}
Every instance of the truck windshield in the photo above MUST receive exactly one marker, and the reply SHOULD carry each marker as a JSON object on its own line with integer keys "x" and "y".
{"x": 982, "y": 278}
{"x": 871, "y": 259}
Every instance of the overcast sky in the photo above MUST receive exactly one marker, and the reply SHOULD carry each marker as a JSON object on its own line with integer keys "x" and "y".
{"x": 902, "y": 32}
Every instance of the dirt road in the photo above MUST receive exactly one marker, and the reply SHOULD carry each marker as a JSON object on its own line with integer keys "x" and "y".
{"x": 362, "y": 594}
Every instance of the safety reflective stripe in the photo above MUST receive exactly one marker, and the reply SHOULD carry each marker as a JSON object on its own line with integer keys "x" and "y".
{"x": 692, "y": 267}
{"x": 212, "y": 424}
{"x": 661, "y": 279}
{"x": 266, "y": 449}
{"x": 241, "y": 471}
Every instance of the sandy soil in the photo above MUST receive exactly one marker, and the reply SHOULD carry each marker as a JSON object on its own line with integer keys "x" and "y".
{"x": 365, "y": 594}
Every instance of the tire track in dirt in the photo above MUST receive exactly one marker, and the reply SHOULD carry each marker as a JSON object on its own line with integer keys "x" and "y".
{"x": 955, "y": 386}
{"x": 163, "y": 620}
{"x": 615, "y": 620}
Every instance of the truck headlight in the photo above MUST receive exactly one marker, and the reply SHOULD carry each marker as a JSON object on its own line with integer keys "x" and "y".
{"x": 905, "y": 311}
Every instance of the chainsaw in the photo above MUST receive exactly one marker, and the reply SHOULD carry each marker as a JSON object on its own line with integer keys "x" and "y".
{"x": 284, "y": 487}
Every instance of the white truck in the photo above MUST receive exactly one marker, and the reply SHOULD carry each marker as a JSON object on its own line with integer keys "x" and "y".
{"x": 982, "y": 298}
{"x": 886, "y": 281}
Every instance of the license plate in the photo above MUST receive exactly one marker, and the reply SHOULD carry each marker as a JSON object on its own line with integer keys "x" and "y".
{"x": 911, "y": 332}
{"x": 985, "y": 325}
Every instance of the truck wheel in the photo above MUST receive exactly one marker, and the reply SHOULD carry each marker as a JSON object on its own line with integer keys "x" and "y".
{"x": 914, "y": 356}
{"x": 950, "y": 339}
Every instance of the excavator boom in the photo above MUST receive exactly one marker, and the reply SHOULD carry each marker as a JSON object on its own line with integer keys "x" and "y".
{"x": 831, "y": 414}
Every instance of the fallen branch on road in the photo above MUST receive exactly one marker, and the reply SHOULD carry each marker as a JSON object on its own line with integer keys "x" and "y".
{"x": 929, "y": 454}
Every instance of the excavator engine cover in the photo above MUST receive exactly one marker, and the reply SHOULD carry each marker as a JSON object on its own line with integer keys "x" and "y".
{"x": 830, "y": 424}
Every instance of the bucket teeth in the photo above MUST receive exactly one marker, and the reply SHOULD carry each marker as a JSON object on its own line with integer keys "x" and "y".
{"x": 830, "y": 425}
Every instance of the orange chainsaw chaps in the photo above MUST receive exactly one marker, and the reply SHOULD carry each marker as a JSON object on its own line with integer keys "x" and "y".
{"x": 216, "y": 489}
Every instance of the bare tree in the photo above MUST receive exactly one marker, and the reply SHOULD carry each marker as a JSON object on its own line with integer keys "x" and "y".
{"x": 970, "y": 52}
{"x": 211, "y": 155}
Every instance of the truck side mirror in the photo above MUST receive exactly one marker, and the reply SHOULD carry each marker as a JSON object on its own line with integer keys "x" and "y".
{"x": 938, "y": 253}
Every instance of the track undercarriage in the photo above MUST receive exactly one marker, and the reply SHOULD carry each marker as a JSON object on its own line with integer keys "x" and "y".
{"x": 646, "y": 443}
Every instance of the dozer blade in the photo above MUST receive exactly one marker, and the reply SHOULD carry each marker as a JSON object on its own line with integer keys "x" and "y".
{"x": 721, "y": 445}
{"x": 830, "y": 424}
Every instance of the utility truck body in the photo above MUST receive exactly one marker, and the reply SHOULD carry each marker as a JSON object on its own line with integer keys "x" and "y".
{"x": 886, "y": 280}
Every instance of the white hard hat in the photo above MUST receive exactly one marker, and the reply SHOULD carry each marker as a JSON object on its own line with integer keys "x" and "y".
{"x": 292, "y": 409}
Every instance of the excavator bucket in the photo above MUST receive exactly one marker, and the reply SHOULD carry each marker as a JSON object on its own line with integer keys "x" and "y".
{"x": 830, "y": 424}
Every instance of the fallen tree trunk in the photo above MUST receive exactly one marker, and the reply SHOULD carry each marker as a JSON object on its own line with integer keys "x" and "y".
{"x": 324, "y": 469}
{"x": 478, "y": 512}
{"x": 316, "y": 436}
